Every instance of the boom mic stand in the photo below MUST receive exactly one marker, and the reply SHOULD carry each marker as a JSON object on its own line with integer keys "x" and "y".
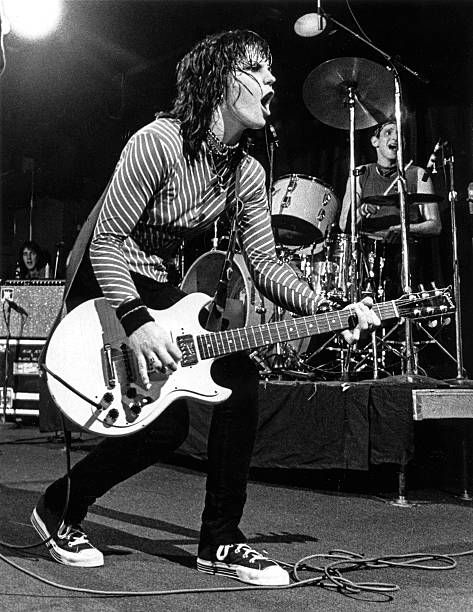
{"x": 460, "y": 379}
{"x": 392, "y": 65}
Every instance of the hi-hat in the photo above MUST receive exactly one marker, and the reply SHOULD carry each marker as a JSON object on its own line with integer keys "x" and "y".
{"x": 326, "y": 92}
{"x": 393, "y": 199}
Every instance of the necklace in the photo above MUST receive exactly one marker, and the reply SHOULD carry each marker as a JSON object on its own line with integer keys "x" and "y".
{"x": 218, "y": 147}
{"x": 386, "y": 172}
{"x": 219, "y": 175}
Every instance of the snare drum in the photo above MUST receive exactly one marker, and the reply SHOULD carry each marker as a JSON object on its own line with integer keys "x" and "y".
{"x": 302, "y": 209}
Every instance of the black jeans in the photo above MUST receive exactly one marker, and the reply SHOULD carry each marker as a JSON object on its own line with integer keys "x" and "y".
{"x": 230, "y": 445}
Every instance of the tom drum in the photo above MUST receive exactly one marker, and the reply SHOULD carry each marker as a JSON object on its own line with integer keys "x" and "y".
{"x": 302, "y": 209}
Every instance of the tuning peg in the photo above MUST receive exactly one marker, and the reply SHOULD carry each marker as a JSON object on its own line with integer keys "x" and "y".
{"x": 435, "y": 288}
{"x": 423, "y": 291}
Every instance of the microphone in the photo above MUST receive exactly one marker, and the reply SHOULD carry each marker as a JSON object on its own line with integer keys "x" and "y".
{"x": 14, "y": 306}
{"x": 311, "y": 24}
{"x": 273, "y": 135}
{"x": 430, "y": 168}
{"x": 469, "y": 198}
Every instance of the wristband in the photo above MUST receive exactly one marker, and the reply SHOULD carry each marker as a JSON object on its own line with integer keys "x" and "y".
{"x": 132, "y": 315}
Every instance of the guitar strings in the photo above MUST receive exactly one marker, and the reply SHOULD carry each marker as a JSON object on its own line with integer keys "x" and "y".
{"x": 300, "y": 324}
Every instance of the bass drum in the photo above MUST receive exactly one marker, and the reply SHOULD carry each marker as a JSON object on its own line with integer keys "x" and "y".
{"x": 245, "y": 306}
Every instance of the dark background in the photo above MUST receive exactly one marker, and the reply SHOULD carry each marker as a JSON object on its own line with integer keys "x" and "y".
{"x": 69, "y": 103}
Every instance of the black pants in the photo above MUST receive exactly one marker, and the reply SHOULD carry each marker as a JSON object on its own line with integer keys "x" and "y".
{"x": 230, "y": 445}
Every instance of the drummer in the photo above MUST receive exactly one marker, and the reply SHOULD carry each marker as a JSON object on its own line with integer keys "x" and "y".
{"x": 381, "y": 221}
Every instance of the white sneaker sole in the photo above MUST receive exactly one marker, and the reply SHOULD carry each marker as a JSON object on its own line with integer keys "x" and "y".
{"x": 91, "y": 558}
{"x": 271, "y": 576}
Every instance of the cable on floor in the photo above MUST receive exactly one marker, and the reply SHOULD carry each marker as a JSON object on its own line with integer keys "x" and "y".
{"x": 329, "y": 576}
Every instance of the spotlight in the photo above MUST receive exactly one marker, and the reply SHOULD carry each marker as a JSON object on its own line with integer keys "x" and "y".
{"x": 33, "y": 18}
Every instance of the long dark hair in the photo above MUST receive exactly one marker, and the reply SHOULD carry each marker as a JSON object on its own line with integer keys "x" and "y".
{"x": 202, "y": 81}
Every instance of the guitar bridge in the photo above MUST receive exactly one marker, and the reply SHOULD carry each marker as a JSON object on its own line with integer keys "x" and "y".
{"x": 187, "y": 348}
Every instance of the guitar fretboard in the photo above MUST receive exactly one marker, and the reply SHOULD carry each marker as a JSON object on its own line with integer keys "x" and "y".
{"x": 217, "y": 344}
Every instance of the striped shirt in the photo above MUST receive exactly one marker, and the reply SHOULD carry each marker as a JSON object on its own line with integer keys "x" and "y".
{"x": 156, "y": 199}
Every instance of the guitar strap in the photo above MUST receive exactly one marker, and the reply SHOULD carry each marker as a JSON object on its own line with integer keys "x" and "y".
{"x": 216, "y": 308}
{"x": 75, "y": 259}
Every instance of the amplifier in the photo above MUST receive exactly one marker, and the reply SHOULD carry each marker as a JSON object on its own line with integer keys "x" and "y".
{"x": 20, "y": 371}
{"x": 29, "y": 307}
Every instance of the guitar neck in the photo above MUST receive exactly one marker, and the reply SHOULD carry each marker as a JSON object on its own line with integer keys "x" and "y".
{"x": 248, "y": 338}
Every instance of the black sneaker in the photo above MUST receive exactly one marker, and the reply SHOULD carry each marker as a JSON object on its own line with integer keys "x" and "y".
{"x": 71, "y": 545}
{"x": 242, "y": 562}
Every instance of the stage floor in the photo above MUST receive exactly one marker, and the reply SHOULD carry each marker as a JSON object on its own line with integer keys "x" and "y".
{"x": 148, "y": 529}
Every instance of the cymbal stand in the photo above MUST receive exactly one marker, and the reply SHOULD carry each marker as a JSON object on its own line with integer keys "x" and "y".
{"x": 402, "y": 190}
{"x": 460, "y": 378}
{"x": 353, "y": 266}
{"x": 353, "y": 263}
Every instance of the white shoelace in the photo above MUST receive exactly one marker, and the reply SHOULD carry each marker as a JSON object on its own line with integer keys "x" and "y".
{"x": 249, "y": 553}
{"x": 74, "y": 535}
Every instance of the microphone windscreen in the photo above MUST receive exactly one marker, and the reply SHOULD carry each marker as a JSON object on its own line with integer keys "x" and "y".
{"x": 309, "y": 25}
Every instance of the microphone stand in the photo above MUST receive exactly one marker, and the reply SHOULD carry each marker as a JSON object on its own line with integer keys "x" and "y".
{"x": 460, "y": 379}
{"x": 392, "y": 65}
{"x": 272, "y": 144}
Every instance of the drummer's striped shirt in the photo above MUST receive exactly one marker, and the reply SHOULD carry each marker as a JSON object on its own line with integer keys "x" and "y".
{"x": 156, "y": 199}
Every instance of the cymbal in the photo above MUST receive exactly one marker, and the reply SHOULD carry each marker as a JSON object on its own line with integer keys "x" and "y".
{"x": 393, "y": 199}
{"x": 325, "y": 92}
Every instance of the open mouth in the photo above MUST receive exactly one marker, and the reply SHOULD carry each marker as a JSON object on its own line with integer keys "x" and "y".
{"x": 392, "y": 146}
{"x": 266, "y": 101}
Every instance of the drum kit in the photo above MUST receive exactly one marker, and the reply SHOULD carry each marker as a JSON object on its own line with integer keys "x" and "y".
{"x": 348, "y": 94}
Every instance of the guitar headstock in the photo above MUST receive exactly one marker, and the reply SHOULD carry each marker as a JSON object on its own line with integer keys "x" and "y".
{"x": 426, "y": 304}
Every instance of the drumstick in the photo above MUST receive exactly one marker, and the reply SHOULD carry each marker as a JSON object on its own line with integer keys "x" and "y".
{"x": 394, "y": 181}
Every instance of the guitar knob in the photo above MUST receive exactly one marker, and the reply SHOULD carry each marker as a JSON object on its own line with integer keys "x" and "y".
{"x": 111, "y": 417}
{"x": 106, "y": 400}
{"x": 135, "y": 408}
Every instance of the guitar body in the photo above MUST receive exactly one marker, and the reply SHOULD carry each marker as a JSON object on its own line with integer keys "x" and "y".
{"x": 89, "y": 351}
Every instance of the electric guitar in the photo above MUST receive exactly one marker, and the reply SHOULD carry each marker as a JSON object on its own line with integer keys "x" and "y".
{"x": 92, "y": 372}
